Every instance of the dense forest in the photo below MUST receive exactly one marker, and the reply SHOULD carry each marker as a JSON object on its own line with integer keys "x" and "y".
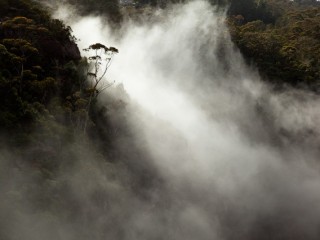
{"x": 50, "y": 113}
{"x": 281, "y": 38}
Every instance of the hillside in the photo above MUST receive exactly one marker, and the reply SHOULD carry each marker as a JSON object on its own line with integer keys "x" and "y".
{"x": 195, "y": 133}
{"x": 282, "y": 39}
{"x": 39, "y": 61}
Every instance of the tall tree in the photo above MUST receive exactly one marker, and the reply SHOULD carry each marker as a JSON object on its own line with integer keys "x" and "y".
{"x": 100, "y": 61}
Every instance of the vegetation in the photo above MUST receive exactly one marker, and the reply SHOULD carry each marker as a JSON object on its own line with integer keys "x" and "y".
{"x": 39, "y": 60}
{"x": 43, "y": 77}
{"x": 47, "y": 101}
{"x": 279, "y": 37}
{"x": 286, "y": 49}
{"x": 100, "y": 63}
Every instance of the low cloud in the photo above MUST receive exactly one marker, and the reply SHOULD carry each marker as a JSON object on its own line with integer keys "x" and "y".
{"x": 210, "y": 151}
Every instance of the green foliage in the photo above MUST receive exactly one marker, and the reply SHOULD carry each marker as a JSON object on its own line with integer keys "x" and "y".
{"x": 284, "y": 52}
{"x": 100, "y": 61}
{"x": 36, "y": 53}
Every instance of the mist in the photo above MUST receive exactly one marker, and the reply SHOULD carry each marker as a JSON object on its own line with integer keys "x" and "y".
{"x": 221, "y": 154}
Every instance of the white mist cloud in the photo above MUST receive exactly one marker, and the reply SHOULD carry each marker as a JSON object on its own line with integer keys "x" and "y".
{"x": 238, "y": 160}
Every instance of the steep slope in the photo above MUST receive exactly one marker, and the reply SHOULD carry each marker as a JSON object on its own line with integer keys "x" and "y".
{"x": 39, "y": 59}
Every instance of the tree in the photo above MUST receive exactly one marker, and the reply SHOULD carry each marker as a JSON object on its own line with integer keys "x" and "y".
{"x": 23, "y": 50}
{"x": 99, "y": 63}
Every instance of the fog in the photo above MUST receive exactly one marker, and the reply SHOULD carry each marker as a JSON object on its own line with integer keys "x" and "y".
{"x": 225, "y": 156}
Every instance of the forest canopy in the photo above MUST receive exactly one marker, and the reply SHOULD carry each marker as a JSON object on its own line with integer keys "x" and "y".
{"x": 282, "y": 39}
{"x": 40, "y": 63}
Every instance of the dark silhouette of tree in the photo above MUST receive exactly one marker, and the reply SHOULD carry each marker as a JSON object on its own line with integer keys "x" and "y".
{"x": 99, "y": 63}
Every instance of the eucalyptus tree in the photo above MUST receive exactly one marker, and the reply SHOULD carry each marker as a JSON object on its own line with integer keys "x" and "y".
{"x": 100, "y": 59}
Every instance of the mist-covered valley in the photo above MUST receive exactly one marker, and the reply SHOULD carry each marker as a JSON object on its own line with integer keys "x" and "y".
{"x": 188, "y": 141}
